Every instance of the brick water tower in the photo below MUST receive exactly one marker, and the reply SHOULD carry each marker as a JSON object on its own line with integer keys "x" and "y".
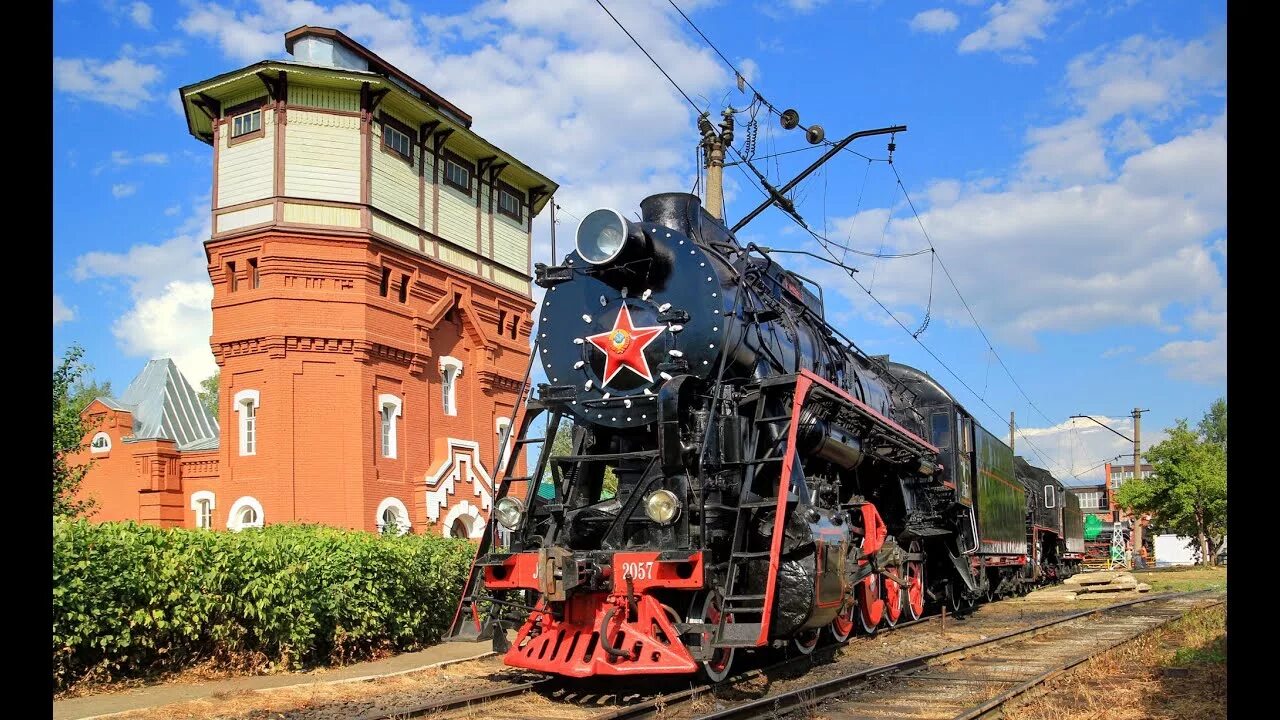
{"x": 371, "y": 316}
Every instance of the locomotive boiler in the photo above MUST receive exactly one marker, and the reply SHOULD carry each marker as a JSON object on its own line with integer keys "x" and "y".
{"x": 741, "y": 475}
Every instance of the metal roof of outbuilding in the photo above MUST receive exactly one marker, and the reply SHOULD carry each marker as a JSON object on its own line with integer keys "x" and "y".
{"x": 165, "y": 407}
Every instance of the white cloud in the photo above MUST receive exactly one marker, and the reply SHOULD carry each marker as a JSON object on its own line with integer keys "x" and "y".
{"x": 937, "y": 20}
{"x": 140, "y": 14}
{"x": 575, "y": 82}
{"x": 1117, "y": 351}
{"x": 1130, "y": 136}
{"x": 1074, "y": 259}
{"x": 1142, "y": 75}
{"x": 1202, "y": 361}
{"x": 123, "y": 83}
{"x": 123, "y": 158}
{"x": 805, "y": 6}
{"x": 61, "y": 312}
{"x": 169, "y": 48}
{"x": 1139, "y": 81}
{"x": 176, "y": 324}
{"x": 123, "y": 190}
{"x": 171, "y": 315}
{"x": 1010, "y": 25}
{"x": 172, "y": 210}
{"x": 1079, "y": 447}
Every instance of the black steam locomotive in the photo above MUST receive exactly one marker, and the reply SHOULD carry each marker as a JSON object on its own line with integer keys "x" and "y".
{"x": 741, "y": 475}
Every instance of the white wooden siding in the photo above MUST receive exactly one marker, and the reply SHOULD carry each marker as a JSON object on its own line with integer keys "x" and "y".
{"x": 321, "y": 215}
{"x": 394, "y": 185}
{"x": 245, "y": 217}
{"x": 326, "y": 98}
{"x": 428, "y": 210}
{"x": 322, "y": 156}
{"x": 246, "y": 170}
{"x": 511, "y": 281}
{"x": 259, "y": 93}
{"x": 457, "y": 259}
{"x": 510, "y": 243}
{"x": 457, "y": 217}
{"x": 385, "y": 227}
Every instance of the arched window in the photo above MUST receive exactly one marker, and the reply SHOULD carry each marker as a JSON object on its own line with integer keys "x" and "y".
{"x": 459, "y": 528}
{"x": 101, "y": 443}
{"x": 203, "y": 503}
{"x": 450, "y": 371}
{"x": 392, "y": 516}
{"x": 245, "y": 513}
{"x": 246, "y": 403}
{"x": 389, "y": 408}
{"x": 503, "y": 428}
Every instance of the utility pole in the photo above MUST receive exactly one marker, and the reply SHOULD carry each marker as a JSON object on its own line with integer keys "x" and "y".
{"x": 1137, "y": 473}
{"x": 714, "y": 145}
{"x": 1011, "y": 431}
{"x": 555, "y": 259}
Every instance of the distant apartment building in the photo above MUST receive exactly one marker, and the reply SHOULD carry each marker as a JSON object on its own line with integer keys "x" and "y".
{"x": 370, "y": 260}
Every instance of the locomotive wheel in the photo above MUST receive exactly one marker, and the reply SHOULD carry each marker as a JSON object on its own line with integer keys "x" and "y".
{"x": 913, "y": 603}
{"x": 870, "y": 604}
{"x": 956, "y": 599}
{"x": 893, "y": 596}
{"x": 708, "y": 610}
{"x": 842, "y": 627}
{"x": 805, "y": 641}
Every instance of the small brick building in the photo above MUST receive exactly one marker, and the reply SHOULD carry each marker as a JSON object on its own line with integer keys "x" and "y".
{"x": 371, "y": 315}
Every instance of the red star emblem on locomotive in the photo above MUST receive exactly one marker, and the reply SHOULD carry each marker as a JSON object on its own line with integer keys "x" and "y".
{"x": 624, "y": 345}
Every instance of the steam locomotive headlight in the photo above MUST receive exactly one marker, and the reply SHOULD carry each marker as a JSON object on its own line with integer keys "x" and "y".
{"x": 509, "y": 511}
{"x": 662, "y": 506}
{"x": 601, "y": 236}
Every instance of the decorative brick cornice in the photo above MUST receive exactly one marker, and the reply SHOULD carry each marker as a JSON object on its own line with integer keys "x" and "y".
{"x": 391, "y": 354}
{"x": 493, "y": 380}
{"x": 314, "y": 344}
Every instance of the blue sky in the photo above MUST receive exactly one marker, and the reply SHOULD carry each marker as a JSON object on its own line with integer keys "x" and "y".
{"x": 1067, "y": 159}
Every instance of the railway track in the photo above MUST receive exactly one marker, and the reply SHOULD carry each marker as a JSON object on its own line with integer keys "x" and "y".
{"x": 975, "y": 679}
{"x": 969, "y": 680}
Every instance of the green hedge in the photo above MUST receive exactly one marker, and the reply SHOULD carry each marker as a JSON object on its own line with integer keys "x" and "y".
{"x": 131, "y": 599}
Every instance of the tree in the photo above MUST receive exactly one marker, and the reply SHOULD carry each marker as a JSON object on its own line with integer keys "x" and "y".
{"x": 84, "y": 393}
{"x": 209, "y": 393}
{"x": 562, "y": 444}
{"x": 1188, "y": 492}
{"x": 1213, "y": 426}
{"x": 68, "y": 434}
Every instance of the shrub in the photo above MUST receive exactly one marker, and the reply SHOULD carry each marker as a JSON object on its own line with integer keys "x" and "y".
{"x": 132, "y": 600}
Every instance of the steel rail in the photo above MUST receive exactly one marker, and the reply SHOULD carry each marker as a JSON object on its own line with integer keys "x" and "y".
{"x": 457, "y": 702}
{"x": 1011, "y": 693}
{"x": 652, "y": 705}
{"x": 776, "y": 705}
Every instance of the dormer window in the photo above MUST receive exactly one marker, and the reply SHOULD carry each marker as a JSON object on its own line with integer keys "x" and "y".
{"x": 457, "y": 172}
{"x": 510, "y": 202}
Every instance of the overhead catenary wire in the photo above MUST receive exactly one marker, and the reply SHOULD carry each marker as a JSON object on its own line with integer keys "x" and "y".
{"x": 822, "y": 241}
{"x": 976, "y": 324}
